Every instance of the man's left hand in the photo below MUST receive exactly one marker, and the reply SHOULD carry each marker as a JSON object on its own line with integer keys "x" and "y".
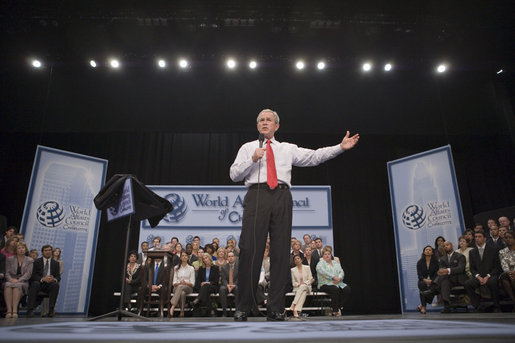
{"x": 349, "y": 142}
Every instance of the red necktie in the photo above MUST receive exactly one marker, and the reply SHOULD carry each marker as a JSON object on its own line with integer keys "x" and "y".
{"x": 271, "y": 173}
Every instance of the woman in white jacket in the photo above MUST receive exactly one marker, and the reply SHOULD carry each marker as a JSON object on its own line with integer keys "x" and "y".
{"x": 301, "y": 279}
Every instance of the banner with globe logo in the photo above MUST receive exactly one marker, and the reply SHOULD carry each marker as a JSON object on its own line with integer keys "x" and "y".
{"x": 217, "y": 211}
{"x": 425, "y": 205}
{"x": 59, "y": 211}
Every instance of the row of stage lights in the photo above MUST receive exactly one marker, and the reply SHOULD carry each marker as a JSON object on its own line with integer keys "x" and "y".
{"x": 232, "y": 64}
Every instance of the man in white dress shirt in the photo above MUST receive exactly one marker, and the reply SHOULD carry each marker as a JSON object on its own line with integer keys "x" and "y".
{"x": 266, "y": 171}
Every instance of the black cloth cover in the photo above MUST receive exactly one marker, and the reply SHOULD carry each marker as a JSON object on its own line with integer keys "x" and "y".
{"x": 147, "y": 204}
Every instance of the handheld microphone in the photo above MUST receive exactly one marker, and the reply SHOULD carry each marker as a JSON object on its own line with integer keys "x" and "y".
{"x": 261, "y": 139}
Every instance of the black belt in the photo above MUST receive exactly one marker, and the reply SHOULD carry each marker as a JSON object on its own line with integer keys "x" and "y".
{"x": 264, "y": 185}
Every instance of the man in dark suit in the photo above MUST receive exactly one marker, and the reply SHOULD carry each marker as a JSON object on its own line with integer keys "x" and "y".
{"x": 451, "y": 273}
{"x": 142, "y": 256}
{"x": 317, "y": 252}
{"x": 229, "y": 281}
{"x": 485, "y": 267}
{"x": 45, "y": 277}
{"x": 157, "y": 275}
{"x": 495, "y": 239}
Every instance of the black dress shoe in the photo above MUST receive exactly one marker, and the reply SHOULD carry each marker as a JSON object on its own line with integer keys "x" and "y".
{"x": 240, "y": 316}
{"x": 30, "y": 313}
{"x": 276, "y": 316}
{"x": 51, "y": 314}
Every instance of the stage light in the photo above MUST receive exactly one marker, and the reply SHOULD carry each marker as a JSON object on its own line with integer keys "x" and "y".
{"x": 36, "y": 64}
{"x": 388, "y": 67}
{"x": 300, "y": 65}
{"x": 161, "y": 63}
{"x": 114, "y": 63}
{"x": 183, "y": 64}
{"x": 93, "y": 63}
{"x": 231, "y": 64}
{"x": 321, "y": 65}
{"x": 441, "y": 68}
{"x": 252, "y": 64}
{"x": 367, "y": 66}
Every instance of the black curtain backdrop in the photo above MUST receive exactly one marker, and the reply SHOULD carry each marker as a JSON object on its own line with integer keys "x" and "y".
{"x": 187, "y": 130}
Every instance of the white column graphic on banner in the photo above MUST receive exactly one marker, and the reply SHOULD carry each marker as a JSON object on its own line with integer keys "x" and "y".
{"x": 216, "y": 211}
{"x": 59, "y": 211}
{"x": 425, "y": 205}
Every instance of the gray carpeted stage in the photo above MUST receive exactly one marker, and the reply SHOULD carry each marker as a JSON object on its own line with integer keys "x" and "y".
{"x": 490, "y": 327}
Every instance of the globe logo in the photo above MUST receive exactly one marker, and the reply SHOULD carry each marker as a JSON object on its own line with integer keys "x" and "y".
{"x": 414, "y": 217}
{"x": 50, "y": 214}
{"x": 179, "y": 208}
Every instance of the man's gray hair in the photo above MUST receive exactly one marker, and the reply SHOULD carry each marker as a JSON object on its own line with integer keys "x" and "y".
{"x": 276, "y": 116}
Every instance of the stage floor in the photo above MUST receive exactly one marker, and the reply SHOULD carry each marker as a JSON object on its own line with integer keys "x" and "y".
{"x": 466, "y": 327}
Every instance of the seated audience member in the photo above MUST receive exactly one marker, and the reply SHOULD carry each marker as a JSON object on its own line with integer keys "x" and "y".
{"x": 495, "y": 239}
{"x": 312, "y": 263}
{"x": 45, "y": 277}
{"x": 301, "y": 279}
{"x": 194, "y": 248}
{"x": 142, "y": 256}
{"x": 491, "y": 222}
{"x": 479, "y": 227}
{"x": 156, "y": 244}
{"x": 196, "y": 239}
{"x": 235, "y": 248}
{"x": 220, "y": 258}
{"x": 469, "y": 236}
{"x": 183, "y": 283}
{"x": 10, "y": 247}
{"x": 178, "y": 249}
{"x": 307, "y": 241}
{"x": 484, "y": 266}
{"x": 504, "y": 221}
{"x": 206, "y": 283}
{"x": 33, "y": 254}
{"x": 502, "y": 232}
{"x": 176, "y": 259}
{"x": 427, "y": 268}
{"x": 330, "y": 280}
{"x": 264, "y": 278}
{"x": 451, "y": 273}
{"x": 507, "y": 257}
{"x": 464, "y": 249}
{"x": 191, "y": 256}
{"x": 317, "y": 251}
{"x": 335, "y": 258}
{"x": 210, "y": 249}
{"x": 198, "y": 263}
{"x": 229, "y": 277}
{"x": 132, "y": 278}
{"x": 18, "y": 269}
{"x": 156, "y": 278}
{"x": 56, "y": 255}
{"x": 439, "y": 250}
{"x": 292, "y": 242}
{"x": 9, "y": 232}
{"x": 295, "y": 251}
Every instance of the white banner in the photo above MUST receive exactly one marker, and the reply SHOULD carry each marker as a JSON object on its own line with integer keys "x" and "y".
{"x": 217, "y": 211}
{"x": 59, "y": 211}
{"x": 425, "y": 205}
